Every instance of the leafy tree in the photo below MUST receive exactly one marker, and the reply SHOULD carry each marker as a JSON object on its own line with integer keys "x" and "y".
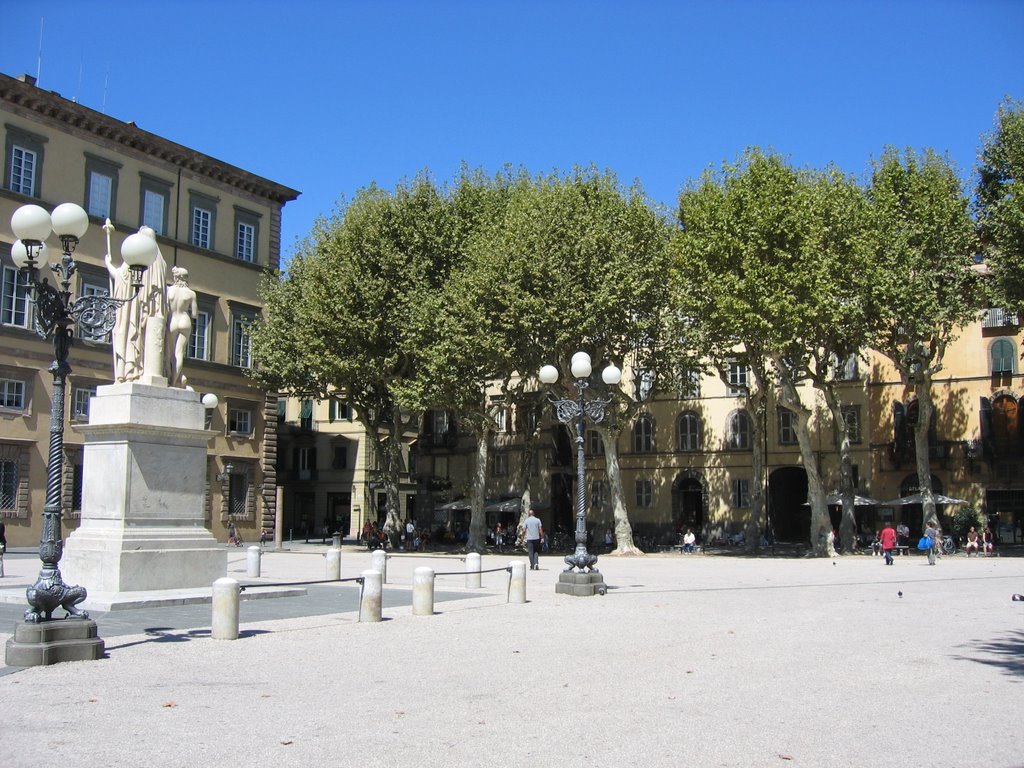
{"x": 715, "y": 295}
{"x": 1000, "y": 203}
{"x": 832, "y": 327}
{"x": 593, "y": 261}
{"x": 922, "y": 286}
{"x": 769, "y": 274}
{"x": 336, "y": 324}
{"x": 466, "y": 331}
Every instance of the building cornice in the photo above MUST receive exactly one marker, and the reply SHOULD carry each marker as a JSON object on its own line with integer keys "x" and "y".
{"x": 27, "y": 97}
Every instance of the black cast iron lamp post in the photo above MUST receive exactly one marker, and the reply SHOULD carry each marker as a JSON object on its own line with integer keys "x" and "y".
{"x": 576, "y": 411}
{"x": 56, "y": 314}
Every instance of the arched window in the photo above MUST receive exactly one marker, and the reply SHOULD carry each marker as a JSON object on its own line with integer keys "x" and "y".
{"x": 1002, "y": 357}
{"x": 643, "y": 434}
{"x": 688, "y": 429}
{"x": 738, "y": 432}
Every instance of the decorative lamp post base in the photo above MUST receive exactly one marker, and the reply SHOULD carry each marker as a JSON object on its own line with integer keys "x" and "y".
{"x": 51, "y": 642}
{"x": 580, "y": 584}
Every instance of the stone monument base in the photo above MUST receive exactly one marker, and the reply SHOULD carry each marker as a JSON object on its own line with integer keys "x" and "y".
{"x": 51, "y": 642}
{"x": 111, "y": 558}
{"x": 143, "y": 497}
{"x": 580, "y": 584}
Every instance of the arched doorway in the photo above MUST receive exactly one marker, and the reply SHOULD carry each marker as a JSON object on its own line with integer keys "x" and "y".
{"x": 789, "y": 517}
{"x": 689, "y": 503}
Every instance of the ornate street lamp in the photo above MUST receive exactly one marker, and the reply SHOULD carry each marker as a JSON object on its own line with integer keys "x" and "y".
{"x": 56, "y": 315}
{"x": 576, "y": 411}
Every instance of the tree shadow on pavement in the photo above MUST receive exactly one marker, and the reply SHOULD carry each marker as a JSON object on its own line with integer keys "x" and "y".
{"x": 1006, "y": 653}
{"x": 169, "y": 635}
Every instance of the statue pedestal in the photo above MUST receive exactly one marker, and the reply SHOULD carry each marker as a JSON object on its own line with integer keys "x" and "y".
{"x": 53, "y": 642}
{"x": 144, "y": 482}
{"x": 580, "y": 584}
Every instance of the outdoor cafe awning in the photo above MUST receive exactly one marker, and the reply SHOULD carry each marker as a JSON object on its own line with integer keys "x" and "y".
{"x": 918, "y": 498}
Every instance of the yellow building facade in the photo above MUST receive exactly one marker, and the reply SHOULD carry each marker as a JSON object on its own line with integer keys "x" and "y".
{"x": 220, "y": 222}
{"x": 687, "y": 462}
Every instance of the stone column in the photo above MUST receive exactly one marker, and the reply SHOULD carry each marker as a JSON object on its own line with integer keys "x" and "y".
{"x": 370, "y": 604}
{"x": 423, "y": 591}
{"x": 473, "y": 570}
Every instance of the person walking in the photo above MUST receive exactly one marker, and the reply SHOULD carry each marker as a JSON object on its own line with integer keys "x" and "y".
{"x": 534, "y": 531}
{"x": 887, "y": 538}
{"x": 931, "y": 532}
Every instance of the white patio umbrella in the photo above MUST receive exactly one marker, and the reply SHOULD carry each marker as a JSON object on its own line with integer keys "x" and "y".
{"x": 917, "y": 498}
{"x": 836, "y": 499}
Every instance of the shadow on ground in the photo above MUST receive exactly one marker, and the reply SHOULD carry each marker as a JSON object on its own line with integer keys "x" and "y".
{"x": 1006, "y": 653}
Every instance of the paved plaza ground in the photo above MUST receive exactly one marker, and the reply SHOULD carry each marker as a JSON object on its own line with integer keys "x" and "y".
{"x": 687, "y": 661}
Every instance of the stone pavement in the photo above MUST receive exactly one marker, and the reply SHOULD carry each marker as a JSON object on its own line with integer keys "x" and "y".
{"x": 688, "y": 660}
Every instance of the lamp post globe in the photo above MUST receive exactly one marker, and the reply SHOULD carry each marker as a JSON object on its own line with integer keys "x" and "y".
{"x": 70, "y": 220}
{"x": 31, "y": 224}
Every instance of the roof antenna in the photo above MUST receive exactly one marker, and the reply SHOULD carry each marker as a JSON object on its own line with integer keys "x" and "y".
{"x": 106, "y": 77}
{"x": 39, "y": 60}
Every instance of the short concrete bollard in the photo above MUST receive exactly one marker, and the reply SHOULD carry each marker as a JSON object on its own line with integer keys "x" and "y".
{"x": 379, "y": 562}
{"x": 423, "y": 591}
{"x": 333, "y": 564}
{"x": 252, "y": 562}
{"x": 225, "y": 609}
{"x": 369, "y": 607}
{"x": 517, "y": 583}
{"x": 473, "y": 570}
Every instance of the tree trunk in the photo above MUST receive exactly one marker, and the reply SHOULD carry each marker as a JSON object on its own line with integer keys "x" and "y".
{"x": 756, "y": 404}
{"x": 821, "y": 526}
{"x": 389, "y": 453}
{"x": 848, "y": 526}
{"x": 925, "y": 409}
{"x": 623, "y": 530}
{"x": 477, "y": 528}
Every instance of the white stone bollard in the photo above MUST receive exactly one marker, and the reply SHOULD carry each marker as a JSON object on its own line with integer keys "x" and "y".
{"x": 252, "y": 562}
{"x": 379, "y": 562}
{"x": 423, "y": 591}
{"x": 473, "y": 570}
{"x": 225, "y": 609}
{"x": 333, "y": 564}
{"x": 369, "y": 606}
{"x": 517, "y": 584}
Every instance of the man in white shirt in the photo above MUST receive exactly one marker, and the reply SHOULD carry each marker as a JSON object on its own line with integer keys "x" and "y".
{"x": 534, "y": 530}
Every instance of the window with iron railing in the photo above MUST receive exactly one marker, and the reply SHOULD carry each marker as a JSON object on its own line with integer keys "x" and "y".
{"x": 997, "y": 317}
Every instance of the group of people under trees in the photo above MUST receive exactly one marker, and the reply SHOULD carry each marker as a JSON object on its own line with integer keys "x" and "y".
{"x": 889, "y": 539}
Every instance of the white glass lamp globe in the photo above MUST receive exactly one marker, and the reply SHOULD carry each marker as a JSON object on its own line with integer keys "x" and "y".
{"x": 548, "y": 374}
{"x": 20, "y": 254}
{"x": 611, "y": 375}
{"x": 138, "y": 250}
{"x": 31, "y": 222}
{"x": 210, "y": 401}
{"x": 580, "y": 365}
{"x": 70, "y": 220}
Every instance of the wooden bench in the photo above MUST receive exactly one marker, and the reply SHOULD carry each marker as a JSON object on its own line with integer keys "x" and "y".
{"x": 902, "y": 549}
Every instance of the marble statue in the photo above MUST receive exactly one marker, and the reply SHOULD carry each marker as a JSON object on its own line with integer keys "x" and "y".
{"x": 181, "y": 302}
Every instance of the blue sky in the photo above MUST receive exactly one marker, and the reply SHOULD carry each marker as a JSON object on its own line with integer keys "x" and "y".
{"x": 327, "y": 97}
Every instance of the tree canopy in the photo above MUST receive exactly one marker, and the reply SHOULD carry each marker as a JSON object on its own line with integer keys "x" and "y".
{"x": 1000, "y": 203}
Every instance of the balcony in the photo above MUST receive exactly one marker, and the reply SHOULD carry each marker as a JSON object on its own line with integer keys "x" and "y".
{"x": 997, "y": 317}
